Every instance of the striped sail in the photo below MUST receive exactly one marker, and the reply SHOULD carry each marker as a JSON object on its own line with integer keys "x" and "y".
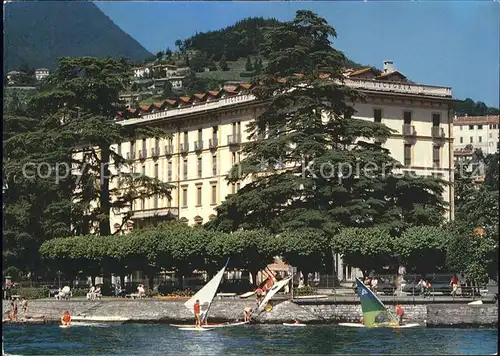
{"x": 270, "y": 293}
{"x": 374, "y": 311}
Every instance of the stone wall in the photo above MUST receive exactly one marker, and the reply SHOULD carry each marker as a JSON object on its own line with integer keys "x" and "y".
{"x": 152, "y": 311}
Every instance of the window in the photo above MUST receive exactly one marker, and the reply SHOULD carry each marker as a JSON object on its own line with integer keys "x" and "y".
{"x": 132, "y": 148}
{"x": 471, "y": 127}
{"x": 461, "y": 140}
{"x": 198, "y": 195}
{"x": 490, "y": 126}
{"x": 491, "y": 135}
{"x": 377, "y": 115}
{"x": 184, "y": 197}
{"x": 237, "y": 186}
{"x": 407, "y": 154}
{"x": 436, "y": 119}
{"x": 185, "y": 169}
{"x": 200, "y": 167}
{"x": 214, "y": 194}
{"x": 143, "y": 144}
{"x": 214, "y": 165}
{"x": 234, "y": 128}
{"x": 143, "y": 204}
{"x": 215, "y": 130}
{"x": 155, "y": 202}
{"x": 471, "y": 139}
{"x": 233, "y": 158}
{"x": 143, "y": 171}
{"x": 479, "y": 127}
{"x": 407, "y": 117}
{"x": 200, "y": 135}
{"x": 461, "y": 127}
{"x": 186, "y": 138}
{"x": 233, "y": 188}
{"x": 435, "y": 155}
{"x": 169, "y": 171}
{"x": 119, "y": 149}
{"x": 480, "y": 139}
{"x": 239, "y": 157}
{"x": 156, "y": 170}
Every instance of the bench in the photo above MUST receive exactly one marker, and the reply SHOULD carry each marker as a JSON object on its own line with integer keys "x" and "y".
{"x": 226, "y": 295}
{"x": 15, "y": 296}
{"x": 135, "y": 296}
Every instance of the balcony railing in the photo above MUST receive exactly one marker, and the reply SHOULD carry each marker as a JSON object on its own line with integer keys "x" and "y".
{"x": 213, "y": 142}
{"x": 409, "y": 130}
{"x": 233, "y": 139}
{"x": 155, "y": 151}
{"x": 198, "y": 145}
{"x": 438, "y": 132}
{"x": 169, "y": 150}
{"x": 184, "y": 147}
{"x": 143, "y": 154}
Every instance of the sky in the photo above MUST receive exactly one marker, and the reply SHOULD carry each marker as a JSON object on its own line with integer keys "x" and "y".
{"x": 446, "y": 43}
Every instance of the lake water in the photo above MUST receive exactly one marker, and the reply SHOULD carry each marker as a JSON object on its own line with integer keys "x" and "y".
{"x": 148, "y": 339}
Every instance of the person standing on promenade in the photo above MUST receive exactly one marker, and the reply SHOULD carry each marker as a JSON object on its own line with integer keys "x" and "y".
{"x": 24, "y": 306}
{"x": 454, "y": 285}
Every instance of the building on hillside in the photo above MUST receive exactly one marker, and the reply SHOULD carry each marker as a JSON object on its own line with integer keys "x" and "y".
{"x": 41, "y": 73}
{"x": 208, "y": 130}
{"x": 142, "y": 72}
{"x": 477, "y": 132}
{"x": 13, "y": 77}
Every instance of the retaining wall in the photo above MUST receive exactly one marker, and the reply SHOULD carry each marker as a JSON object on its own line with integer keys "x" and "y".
{"x": 152, "y": 311}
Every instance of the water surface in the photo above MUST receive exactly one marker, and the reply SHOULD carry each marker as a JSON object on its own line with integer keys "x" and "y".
{"x": 135, "y": 339}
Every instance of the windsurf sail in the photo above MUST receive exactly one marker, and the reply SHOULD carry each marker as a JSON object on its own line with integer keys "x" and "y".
{"x": 374, "y": 311}
{"x": 206, "y": 294}
{"x": 271, "y": 292}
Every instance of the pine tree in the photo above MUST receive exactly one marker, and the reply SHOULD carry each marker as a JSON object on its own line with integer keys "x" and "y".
{"x": 223, "y": 63}
{"x": 248, "y": 65}
{"x": 313, "y": 140}
{"x": 256, "y": 66}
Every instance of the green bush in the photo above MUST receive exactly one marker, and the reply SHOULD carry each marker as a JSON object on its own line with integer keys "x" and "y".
{"x": 79, "y": 292}
{"x": 30, "y": 292}
{"x": 247, "y": 74}
{"x": 303, "y": 290}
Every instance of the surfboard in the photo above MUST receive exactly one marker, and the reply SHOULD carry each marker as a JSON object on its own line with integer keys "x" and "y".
{"x": 293, "y": 324}
{"x": 224, "y": 325}
{"x": 194, "y": 329}
{"x": 357, "y": 325}
{"x": 64, "y": 326}
{"x": 247, "y": 294}
{"x": 316, "y": 296}
{"x": 476, "y": 302}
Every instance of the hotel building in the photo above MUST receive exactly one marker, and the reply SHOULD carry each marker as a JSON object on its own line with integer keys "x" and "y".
{"x": 208, "y": 130}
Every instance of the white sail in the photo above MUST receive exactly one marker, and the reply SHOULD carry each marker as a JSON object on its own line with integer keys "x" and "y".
{"x": 206, "y": 294}
{"x": 271, "y": 292}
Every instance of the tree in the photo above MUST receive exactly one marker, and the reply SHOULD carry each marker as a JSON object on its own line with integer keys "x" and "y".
{"x": 312, "y": 138}
{"x": 369, "y": 249}
{"x": 223, "y": 63}
{"x": 257, "y": 66}
{"x": 85, "y": 93}
{"x": 168, "y": 53}
{"x": 178, "y": 44}
{"x": 422, "y": 249}
{"x": 167, "y": 90}
{"x": 248, "y": 65}
{"x": 159, "y": 55}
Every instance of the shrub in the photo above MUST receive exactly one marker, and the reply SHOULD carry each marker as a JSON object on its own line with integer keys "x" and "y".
{"x": 30, "y": 292}
{"x": 247, "y": 74}
{"x": 303, "y": 290}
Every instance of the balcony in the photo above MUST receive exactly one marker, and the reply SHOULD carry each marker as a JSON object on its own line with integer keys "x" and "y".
{"x": 184, "y": 147}
{"x": 155, "y": 152}
{"x": 143, "y": 154}
{"x": 233, "y": 140}
{"x": 169, "y": 150}
{"x": 438, "y": 132}
{"x": 130, "y": 155}
{"x": 213, "y": 142}
{"x": 409, "y": 130}
{"x": 165, "y": 212}
{"x": 198, "y": 146}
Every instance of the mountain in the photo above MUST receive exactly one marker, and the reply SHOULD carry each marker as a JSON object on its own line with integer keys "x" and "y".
{"x": 37, "y": 32}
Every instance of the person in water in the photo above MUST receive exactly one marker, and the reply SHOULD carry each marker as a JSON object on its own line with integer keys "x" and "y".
{"x": 197, "y": 312}
{"x": 66, "y": 318}
{"x": 247, "y": 314}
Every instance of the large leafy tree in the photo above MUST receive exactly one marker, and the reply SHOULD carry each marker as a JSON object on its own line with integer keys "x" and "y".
{"x": 77, "y": 111}
{"x": 304, "y": 171}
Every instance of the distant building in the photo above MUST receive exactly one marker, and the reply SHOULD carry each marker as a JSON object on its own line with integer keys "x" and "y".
{"x": 41, "y": 73}
{"x": 13, "y": 76}
{"x": 476, "y": 132}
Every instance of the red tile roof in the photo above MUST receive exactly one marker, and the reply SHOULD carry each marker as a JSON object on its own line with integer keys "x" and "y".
{"x": 469, "y": 120}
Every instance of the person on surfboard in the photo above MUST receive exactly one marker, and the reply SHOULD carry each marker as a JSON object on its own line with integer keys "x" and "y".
{"x": 399, "y": 313}
{"x": 197, "y": 310}
{"x": 66, "y": 318}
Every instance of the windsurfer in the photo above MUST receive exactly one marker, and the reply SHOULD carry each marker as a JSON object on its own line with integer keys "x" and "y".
{"x": 399, "y": 313}
{"x": 66, "y": 318}
{"x": 197, "y": 309}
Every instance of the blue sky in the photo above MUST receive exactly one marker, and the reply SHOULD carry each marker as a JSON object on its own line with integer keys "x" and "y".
{"x": 446, "y": 43}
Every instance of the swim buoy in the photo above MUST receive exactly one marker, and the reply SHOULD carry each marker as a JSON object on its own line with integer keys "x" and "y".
{"x": 269, "y": 307}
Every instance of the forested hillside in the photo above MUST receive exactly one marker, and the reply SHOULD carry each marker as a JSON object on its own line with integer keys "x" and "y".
{"x": 37, "y": 32}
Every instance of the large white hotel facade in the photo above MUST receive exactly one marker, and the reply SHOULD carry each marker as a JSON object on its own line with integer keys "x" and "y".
{"x": 208, "y": 130}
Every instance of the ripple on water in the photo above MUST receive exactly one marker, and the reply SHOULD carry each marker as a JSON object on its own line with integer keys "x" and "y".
{"x": 144, "y": 339}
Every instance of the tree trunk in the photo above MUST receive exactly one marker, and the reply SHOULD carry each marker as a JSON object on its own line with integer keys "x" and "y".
{"x": 253, "y": 273}
{"x": 105, "y": 207}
